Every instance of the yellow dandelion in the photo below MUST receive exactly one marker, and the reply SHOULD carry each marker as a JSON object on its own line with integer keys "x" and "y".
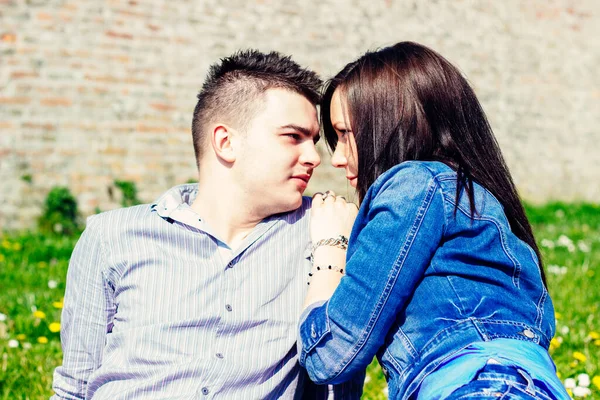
{"x": 554, "y": 343}
{"x": 39, "y": 314}
{"x": 579, "y": 356}
{"x": 58, "y": 304}
{"x": 597, "y": 342}
{"x": 573, "y": 364}
{"x": 6, "y": 244}
{"x": 596, "y": 381}
{"x": 21, "y": 336}
{"x": 42, "y": 264}
{"x": 594, "y": 335}
{"x": 2, "y": 258}
{"x": 16, "y": 246}
{"x": 42, "y": 339}
{"x": 557, "y": 315}
{"x": 54, "y": 327}
{"x": 558, "y": 374}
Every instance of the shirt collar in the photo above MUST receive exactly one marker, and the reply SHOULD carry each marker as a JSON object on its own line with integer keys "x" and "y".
{"x": 174, "y": 199}
{"x": 175, "y": 205}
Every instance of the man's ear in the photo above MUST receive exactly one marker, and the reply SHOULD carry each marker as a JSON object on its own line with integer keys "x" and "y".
{"x": 222, "y": 142}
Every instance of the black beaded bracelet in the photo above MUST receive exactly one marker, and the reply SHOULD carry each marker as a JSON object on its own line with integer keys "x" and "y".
{"x": 325, "y": 268}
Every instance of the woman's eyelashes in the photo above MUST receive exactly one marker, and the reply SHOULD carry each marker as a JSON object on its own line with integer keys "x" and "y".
{"x": 342, "y": 133}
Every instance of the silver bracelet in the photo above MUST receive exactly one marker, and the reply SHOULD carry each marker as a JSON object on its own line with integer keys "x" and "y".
{"x": 325, "y": 268}
{"x": 341, "y": 242}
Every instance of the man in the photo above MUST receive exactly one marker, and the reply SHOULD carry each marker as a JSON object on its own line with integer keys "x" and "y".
{"x": 199, "y": 294}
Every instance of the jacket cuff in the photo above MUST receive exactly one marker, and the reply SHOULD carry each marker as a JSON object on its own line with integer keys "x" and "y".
{"x": 314, "y": 324}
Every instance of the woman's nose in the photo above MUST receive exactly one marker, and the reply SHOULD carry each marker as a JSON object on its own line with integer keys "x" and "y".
{"x": 338, "y": 159}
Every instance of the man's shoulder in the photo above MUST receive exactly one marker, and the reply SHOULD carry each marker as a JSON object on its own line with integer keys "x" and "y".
{"x": 120, "y": 218}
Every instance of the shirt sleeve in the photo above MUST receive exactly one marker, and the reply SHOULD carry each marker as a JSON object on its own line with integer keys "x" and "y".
{"x": 398, "y": 229}
{"x": 86, "y": 317}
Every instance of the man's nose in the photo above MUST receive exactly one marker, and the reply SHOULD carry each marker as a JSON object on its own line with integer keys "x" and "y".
{"x": 310, "y": 155}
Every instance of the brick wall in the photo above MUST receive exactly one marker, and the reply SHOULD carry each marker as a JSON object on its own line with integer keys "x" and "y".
{"x": 93, "y": 91}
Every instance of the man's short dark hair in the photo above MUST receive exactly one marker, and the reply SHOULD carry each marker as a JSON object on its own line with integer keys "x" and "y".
{"x": 234, "y": 86}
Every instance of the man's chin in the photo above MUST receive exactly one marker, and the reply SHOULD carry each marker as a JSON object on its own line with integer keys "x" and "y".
{"x": 291, "y": 204}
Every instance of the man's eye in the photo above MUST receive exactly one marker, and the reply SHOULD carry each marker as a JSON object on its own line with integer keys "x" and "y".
{"x": 294, "y": 136}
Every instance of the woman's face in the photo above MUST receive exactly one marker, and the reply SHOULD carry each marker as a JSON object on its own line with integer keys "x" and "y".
{"x": 345, "y": 155}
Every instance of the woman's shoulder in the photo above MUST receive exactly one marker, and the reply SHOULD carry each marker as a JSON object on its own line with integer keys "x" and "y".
{"x": 410, "y": 179}
{"x": 415, "y": 172}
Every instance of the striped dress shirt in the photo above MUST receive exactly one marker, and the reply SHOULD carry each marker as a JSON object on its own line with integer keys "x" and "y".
{"x": 157, "y": 307}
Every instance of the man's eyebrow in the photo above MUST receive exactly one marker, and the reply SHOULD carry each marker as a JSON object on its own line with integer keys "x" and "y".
{"x": 305, "y": 131}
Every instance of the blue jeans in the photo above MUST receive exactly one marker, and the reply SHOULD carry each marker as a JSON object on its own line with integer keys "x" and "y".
{"x": 496, "y": 382}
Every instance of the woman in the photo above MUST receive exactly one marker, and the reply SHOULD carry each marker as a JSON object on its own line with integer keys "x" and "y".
{"x": 442, "y": 280}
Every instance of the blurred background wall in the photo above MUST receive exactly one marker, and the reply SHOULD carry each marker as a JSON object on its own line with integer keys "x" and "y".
{"x": 92, "y": 91}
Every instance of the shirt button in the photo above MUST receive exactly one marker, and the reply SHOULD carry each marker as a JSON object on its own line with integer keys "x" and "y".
{"x": 205, "y": 391}
{"x": 228, "y": 307}
{"x": 219, "y": 355}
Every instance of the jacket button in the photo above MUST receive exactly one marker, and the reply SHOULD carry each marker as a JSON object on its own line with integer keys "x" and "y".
{"x": 528, "y": 333}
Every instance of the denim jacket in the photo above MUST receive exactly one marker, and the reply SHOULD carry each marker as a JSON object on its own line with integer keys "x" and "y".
{"x": 423, "y": 281}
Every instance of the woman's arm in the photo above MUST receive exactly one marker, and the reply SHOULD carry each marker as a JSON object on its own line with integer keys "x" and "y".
{"x": 398, "y": 229}
{"x": 331, "y": 218}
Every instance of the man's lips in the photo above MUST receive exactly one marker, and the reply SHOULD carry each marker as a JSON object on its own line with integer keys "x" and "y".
{"x": 304, "y": 177}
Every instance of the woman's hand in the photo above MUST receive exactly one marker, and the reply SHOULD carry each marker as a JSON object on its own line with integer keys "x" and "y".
{"x": 331, "y": 216}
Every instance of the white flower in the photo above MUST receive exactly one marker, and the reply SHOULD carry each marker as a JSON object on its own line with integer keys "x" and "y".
{"x": 26, "y": 345}
{"x": 367, "y": 379}
{"x": 570, "y": 383}
{"x": 12, "y": 343}
{"x": 564, "y": 241}
{"x": 386, "y": 392}
{"x": 583, "y": 247}
{"x": 2, "y": 317}
{"x": 583, "y": 380}
{"x": 581, "y": 391}
{"x": 547, "y": 243}
{"x": 564, "y": 330}
{"x": 556, "y": 269}
{"x": 52, "y": 284}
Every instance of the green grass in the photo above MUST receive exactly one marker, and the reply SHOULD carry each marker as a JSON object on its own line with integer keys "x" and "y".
{"x": 569, "y": 236}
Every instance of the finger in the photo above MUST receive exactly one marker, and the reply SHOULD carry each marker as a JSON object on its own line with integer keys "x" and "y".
{"x": 330, "y": 199}
{"x": 352, "y": 207}
{"x": 317, "y": 199}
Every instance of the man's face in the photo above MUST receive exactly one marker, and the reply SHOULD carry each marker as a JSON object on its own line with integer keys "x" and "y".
{"x": 277, "y": 152}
